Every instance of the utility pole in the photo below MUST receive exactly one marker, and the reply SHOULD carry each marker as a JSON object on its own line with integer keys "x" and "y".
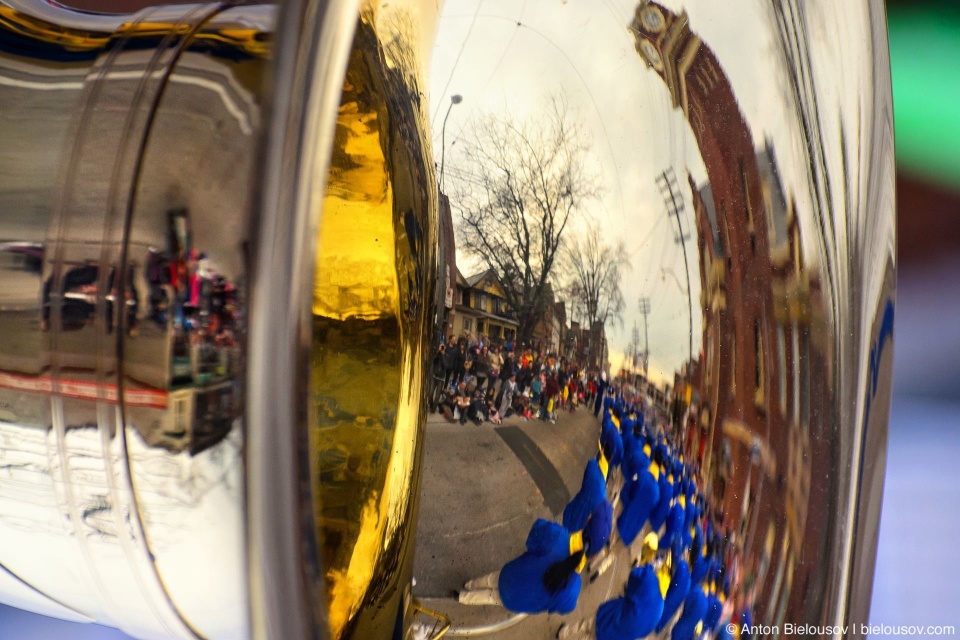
{"x": 673, "y": 199}
{"x": 645, "y": 309}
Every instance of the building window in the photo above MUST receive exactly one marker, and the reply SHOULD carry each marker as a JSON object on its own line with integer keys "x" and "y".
{"x": 480, "y": 326}
{"x": 468, "y": 324}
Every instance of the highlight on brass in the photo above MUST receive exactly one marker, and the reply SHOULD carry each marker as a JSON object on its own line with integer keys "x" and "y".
{"x": 585, "y": 313}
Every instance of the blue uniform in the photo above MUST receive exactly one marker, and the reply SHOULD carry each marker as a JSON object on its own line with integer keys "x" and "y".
{"x": 521, "y": 583}
{"x": 636, "y": 462}
{"x": 592, "y": 492}
{"x": 601, "y": 388}
{"x": 611, "y": 442}
{"x": 694, "y": 609}
{"x": 714, "y": 611}
{"x": 639, "y": 497}
{"x": 675, "y": 523}
{"x": 597, "y": 531}
{"x": 677, "y": 591}
{"x": 636, "y": 612}
{"x": 659, "y": 514}
{"x": 701, "y": 567}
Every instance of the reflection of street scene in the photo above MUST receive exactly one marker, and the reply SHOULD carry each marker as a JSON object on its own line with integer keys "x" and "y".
{"x": 122, "y": 271}
{"x": 749, "y": 408}
{"x": 591, "y": 363}
{"x": 633, "y": 523}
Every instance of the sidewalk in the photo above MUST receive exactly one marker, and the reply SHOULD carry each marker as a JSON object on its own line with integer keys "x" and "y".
{"x": 483, "y": 487}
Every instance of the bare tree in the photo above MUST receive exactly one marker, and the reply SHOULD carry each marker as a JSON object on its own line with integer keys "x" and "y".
{"x": 595, "y": 270}
{"x": 522, "y": 182}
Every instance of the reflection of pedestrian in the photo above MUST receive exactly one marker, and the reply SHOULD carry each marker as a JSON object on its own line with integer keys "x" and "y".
{"x": 438, "y": 370}
{"x": 636, "y": 612}
{"x": 450, "y": 362}
{"x": 601, "y": 388}
{"x": 639, "y": 496}
{"x": 593, "y": 491}
{"x": 694, "y": 610}
{"x": 509, "y": 390}
{"x": 545, "y": 578}
{"x": 678, "y": 589}
{"x": 632, "y": 615}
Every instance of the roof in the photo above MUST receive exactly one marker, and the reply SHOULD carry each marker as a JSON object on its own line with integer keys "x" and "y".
{"x": 475, "y": 279}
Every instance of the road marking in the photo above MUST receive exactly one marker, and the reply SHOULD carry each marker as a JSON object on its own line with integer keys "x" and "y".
{"x": 541, "y": 470}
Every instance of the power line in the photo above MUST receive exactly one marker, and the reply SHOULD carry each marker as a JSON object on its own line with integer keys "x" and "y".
{"x": 453, "y": 70}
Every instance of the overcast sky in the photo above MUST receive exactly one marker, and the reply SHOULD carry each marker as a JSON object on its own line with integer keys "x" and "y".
{"x": 583, "y": 49}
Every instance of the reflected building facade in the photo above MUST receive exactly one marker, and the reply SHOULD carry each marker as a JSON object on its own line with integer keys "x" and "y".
{"x": 761, "y": 305}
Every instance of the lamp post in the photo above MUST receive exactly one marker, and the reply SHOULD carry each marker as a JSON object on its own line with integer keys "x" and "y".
{"x": 454, "y": 99}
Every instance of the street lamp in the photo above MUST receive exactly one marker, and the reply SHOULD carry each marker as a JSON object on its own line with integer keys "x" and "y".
{"x": 454, "y": 99}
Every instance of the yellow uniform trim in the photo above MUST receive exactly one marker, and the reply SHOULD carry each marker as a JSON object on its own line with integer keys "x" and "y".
{"x": 576, "y": 542}
{"x": 663, "y": 576}
{"x": 583, "y": 563}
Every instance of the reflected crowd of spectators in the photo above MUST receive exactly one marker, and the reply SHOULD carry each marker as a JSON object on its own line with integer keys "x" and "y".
{"x": 479, "y": 382}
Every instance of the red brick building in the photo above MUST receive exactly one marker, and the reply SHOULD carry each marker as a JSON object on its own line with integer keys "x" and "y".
{"x": 760, "y": 307}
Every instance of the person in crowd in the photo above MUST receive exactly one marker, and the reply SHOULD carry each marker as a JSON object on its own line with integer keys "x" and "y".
{"x": 450, "y": 362}
{"x": 495, "y": 364}
{"x": 536, "y": 388}
{"x": 493, "y": 414}
{"x": 481, "y": 367}
{"x": 438, "y": 375}
{"x": 464, "y": 403}
{"x": 508, "y": 391}
{"x": 448, "y": 404}
{"x": 601, "y": 389}
{"x": 468, "y": 378}
{"x": 460, "y": 360}
{"x": 550, "y": 391}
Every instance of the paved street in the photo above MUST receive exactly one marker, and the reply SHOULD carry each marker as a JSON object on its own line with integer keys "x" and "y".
{"x": 483, "y": 487}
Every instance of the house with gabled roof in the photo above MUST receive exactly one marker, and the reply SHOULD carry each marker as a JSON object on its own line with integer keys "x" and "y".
{"x": 482, "y": 308}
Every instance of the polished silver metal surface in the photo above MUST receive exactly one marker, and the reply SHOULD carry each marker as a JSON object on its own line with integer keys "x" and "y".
{"x": 220, "y": 232}
{"x": 123, "y": 370}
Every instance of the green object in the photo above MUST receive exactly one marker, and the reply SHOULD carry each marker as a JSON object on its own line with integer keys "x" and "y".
{"x": 925, "y": 64}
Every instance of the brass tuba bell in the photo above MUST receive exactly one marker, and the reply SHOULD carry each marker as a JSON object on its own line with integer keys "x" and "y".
{"x": 282, "y": 356}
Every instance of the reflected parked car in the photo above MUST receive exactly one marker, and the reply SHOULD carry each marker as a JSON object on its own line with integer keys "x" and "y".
{"x": 78, "y": 299}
